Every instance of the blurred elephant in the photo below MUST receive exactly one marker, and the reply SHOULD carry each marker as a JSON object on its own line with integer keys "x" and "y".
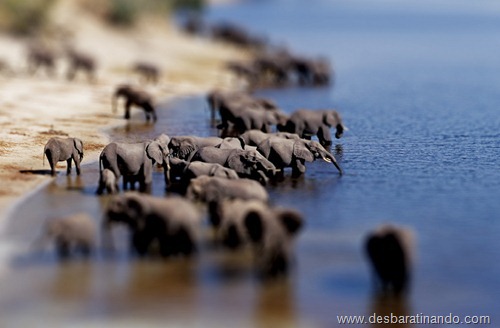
{"x": 79, "y": 61}
{"x": 256, "y": 137}
{"x": 184, "y": 147}
{"x": 315, "y": 72}
{"x": 257, "y": 118}
{"x": 133, "y": 161}
{"x": 270, "y": 229}
{"x": 214, "y": 189}
{"x": 231, "y": 143}
{"x": 307, "y": 123}
{"x": 173, "y": 222}
{"x": 40, "y": 56}
{"x": 294, "y": 153}
{"x": 389, "y": 250}
{"x": 58, "y": 150}
{"x": 247, "y": 163}
{"x": 148, "y": 71}
{"x": 137, "y": 97}
{"x": 230, "y": 104}
{"x": 71, "y": 235}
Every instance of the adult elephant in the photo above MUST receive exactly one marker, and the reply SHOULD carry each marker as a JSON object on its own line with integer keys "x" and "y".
{"x": 307, "y": 123}
{"x": 294, "y": 153}
{"x": 255, "y": 137}
{"x": 258, "y": 119}
{"x": 183, "y": 172}
{"x": 270, "y": 229}
{"x": 214, "y": 189}
{"x": 247, "y": 163}
{"x": 59, "y": 149}
{"x": 132, "y": 161}
{"x": 184, "y": 147}
{"x": 137, "y": 97}
{"x": 173, "y": 222}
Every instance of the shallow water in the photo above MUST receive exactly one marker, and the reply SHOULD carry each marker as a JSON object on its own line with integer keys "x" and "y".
{"x": 417, "y": 85}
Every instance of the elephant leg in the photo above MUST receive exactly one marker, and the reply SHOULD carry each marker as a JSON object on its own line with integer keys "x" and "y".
{"x": 128, "y": 104}
{"x": 68, "y": 169}
{"x": 140, "y": 242}
{"x": 324, "y": 136}
{"x": 62, "y": 247}
{"x": 101, "y": 187}
{"x": 155, "y": 118}
{"x": 77, "y": 165}
{"x": 299, "y": 168}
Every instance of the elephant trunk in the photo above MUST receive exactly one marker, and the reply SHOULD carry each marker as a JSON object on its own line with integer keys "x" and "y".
{"x": 331, "y": 159}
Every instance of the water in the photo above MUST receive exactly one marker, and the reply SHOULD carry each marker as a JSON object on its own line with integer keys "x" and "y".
{"x": 417, "y": 84}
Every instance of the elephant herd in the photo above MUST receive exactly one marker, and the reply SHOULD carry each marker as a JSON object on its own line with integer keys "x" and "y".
{"x": 225, "y": 177}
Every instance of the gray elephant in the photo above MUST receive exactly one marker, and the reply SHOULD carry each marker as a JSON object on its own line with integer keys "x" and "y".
{"x": 256, "y": 137}
{"x": 80, "y": 61}
{"x": 257, "y": 118}
{"x": 59, "y": 149}
{"x": 214, "y": 189}
{"x": 108, "y": 182}
{"x": 173, "y": 222}
{"x": 231, "y": 143}
{"x": 137, "y": 97}
{"x": 71, "y": 235}
{"x": 185, "y": 171}
{"x": 247, "y": 163}
{"x": 389, "y": 250}
{"x": 132, "y": 161}
{"x": 184, "y": 147}
{"x": 294, "y": 153}
{"x": 271, "y": 230}
{"x": 307, "y": 123}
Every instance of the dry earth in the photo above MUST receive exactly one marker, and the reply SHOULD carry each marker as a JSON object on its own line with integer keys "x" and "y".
{"x": 35, "y": 108}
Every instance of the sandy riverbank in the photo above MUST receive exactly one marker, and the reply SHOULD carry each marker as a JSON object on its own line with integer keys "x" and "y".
{"x": 35, "y": 108}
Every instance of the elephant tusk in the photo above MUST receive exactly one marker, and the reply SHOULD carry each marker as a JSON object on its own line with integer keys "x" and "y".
{"x": 326, "y": 159}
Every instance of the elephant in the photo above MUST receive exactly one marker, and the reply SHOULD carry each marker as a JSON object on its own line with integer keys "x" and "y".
{"x": 244, "y": 71}
{"x": 229, "y": 104}
{"x": 256, "y": 137}
{"x": 108, "y": 181}
{"x": 72, "y": 235}
{"x": 231, "y": 143}
{"x": 186, "y": 171}
{"x": 137, "y": 97}
{"x": 41, "y": 57}
{"x": 79, "y": 61}
{"x": 294, "y": 153}
{"x": 389, "y": 250}
{"x": 184, "y": 147}
{"x": 271, "y": 230}
{"x": 255, "y": 118}
{"x": 149, "y": 72}
{"x": 133, "y": 161}
{"x": 307, "y": 123}
{"x": 173, "y": 222}
{"x": 214, "y": 189}
{"x": 247, "y": 163}
{"x": 237, "y": 36}
{"x": 68, "y": 149}
{"x": 315, "y": 72}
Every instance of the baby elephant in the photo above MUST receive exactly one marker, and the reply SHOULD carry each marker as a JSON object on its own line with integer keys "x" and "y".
{"x": 389, "y": 250}
{"x": 72, "y": 235}
{"x": 58, "y": 150}
{"x": 108, "y": 182}
{"x": 270, "y": 230}
{"x": 171, "y": 222}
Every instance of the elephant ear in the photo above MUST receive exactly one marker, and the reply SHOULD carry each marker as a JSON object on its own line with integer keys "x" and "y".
{"x": 291, "y": 220}
{"x": 237, "y": 163}
{"x": 78, "y": 145}
{"x": 300, "y": 151}
{"x": 330, "y": 118}
{"x": 254, "y": 225}
{"x": 156, "y": 151}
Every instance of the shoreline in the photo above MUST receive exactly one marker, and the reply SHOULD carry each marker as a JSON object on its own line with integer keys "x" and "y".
{"x": 35, "y": 108}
